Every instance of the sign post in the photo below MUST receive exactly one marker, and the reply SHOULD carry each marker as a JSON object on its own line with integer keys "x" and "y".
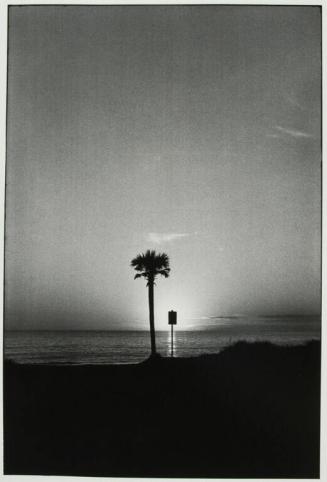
{"x": 172, "y": 320}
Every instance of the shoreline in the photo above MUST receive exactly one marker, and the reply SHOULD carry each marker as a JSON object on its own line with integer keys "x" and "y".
{"x": 285, "y": 344}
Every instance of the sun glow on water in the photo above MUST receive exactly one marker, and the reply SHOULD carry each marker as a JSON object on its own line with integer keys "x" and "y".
{"x": 172, "y": 344}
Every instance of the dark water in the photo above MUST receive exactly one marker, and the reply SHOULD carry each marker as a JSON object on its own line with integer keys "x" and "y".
{"x": 102, "y": 347}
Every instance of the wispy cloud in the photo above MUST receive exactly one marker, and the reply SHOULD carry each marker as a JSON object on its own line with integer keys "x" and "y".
{"x": 293, "y": 132}
{"x": 159, "y": 238}
{"x": 293, "y": 101}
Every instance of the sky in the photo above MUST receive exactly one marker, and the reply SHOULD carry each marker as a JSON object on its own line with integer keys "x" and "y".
{"x": 191, "y": 130}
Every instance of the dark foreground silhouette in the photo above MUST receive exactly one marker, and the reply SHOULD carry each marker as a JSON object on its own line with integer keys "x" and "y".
{"x": 251, "y": 411}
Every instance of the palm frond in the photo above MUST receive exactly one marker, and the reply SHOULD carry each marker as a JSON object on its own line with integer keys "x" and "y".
{"x": 150, "y": 264}
{"x": 164, "y": 272}
{"x": 138, "y": 262}
{"x": 162, "y": 261}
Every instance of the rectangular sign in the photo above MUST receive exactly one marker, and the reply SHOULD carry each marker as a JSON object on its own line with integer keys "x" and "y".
{"x": 172, "y": 317}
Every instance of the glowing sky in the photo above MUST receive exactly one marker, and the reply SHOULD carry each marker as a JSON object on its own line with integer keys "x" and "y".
{"x": 193, "y": 130}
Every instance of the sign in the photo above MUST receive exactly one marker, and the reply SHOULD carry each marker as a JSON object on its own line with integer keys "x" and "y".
{"x": 172, "y": 317}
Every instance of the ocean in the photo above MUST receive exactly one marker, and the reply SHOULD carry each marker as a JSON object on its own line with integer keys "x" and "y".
{"x": 121, "y": 347}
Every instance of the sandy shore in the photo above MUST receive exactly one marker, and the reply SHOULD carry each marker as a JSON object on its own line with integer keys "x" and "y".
{"x": 251, "y": 411}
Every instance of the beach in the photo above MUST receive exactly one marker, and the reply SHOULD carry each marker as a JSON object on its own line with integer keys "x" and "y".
{"x": 162, "y": 239}
{"x": 252, "y": 410}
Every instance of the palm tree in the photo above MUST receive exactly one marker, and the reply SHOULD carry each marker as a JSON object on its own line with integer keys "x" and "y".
{"x": 149, "y": 265}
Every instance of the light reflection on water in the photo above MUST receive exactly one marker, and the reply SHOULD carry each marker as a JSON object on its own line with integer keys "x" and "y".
{"x": 104, "y": 347}
{"x": 172, "y": 347}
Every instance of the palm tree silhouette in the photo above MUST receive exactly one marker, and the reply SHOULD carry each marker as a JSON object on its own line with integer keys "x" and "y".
{"x": 149, "y": 265}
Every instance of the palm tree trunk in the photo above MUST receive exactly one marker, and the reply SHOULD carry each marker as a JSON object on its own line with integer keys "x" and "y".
{"x": 151, "y": 312}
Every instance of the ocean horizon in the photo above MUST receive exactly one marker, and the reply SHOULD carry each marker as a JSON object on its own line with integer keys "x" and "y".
{"x": 97, "y": 347}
